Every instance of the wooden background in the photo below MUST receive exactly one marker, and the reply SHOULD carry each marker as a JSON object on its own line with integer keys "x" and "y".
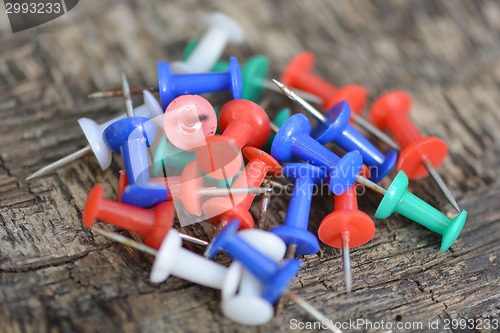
{"x": 56, "y": 276}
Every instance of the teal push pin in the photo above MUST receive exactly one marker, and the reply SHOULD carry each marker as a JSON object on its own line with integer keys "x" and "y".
{"x": 398, "y": 199}
{"x": 169, "y": 156}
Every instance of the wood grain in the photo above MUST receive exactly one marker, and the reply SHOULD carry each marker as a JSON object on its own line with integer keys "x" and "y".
{"x": 56, "y": 276}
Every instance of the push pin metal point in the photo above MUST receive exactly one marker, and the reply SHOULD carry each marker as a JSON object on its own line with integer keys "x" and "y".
{"x": 420, "y": 155}
{"x": 334, "y": 127}
{"x": 93, "y": 133}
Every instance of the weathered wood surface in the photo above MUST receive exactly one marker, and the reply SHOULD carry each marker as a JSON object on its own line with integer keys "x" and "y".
{"x": 55, "y": 276}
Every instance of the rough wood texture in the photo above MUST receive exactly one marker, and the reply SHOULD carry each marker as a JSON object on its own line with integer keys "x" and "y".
{"x": 55, "y": 276}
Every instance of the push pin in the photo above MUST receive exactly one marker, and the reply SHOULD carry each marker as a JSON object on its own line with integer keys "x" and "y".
{"x": 334, "y": 127}
{"x": 172, "y": 85}
{"x": 222, "y": 30}
{"x": 299, "y": 74}
{"x": 243, "y": 123}
{"x": 182, "y": 124}
{"x": 232, "y": 278}
{"x": 274, "y": 277}
{"x": 152, "y": 225}
{"x": 346, "y": 228}
{"x": 398, "y": 199}
{"x": 294, "y": 229}
{"x": 93, "y": 133}
{"x": 222, "y": 210}
{"x": 293, "y": 140}
{"x": 420, "y": 155}
{"x": 130, "y": 137}
{"x": 247, "y": 307}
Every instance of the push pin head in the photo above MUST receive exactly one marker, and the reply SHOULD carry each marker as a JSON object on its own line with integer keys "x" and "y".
{"x": 182, "y": 121}
{"x": 254, "y": 72}
{"x": 243, "y": 123}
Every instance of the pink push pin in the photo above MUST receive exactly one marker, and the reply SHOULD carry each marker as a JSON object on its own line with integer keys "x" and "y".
{"x": 188, "y": 121}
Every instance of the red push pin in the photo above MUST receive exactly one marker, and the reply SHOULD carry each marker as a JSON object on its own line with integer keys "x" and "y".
{"x": 420, "y": 155}
{"x": 152, "y": 225}
{"x": 222, "y": 210}
{"x": 243, "y": 123}
{"x": 299, "y": 73}
{"x": 346, "y": 228}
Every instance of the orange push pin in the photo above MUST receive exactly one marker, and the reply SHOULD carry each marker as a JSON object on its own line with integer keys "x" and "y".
{"x": 420, "y": 155}
{"x": 222, "y": 210}
{"x": 346, "y": 228}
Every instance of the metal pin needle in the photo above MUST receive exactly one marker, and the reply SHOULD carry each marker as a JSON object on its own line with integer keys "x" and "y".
{"x": 346, "y": 261}
{"x": 440, "y": 183}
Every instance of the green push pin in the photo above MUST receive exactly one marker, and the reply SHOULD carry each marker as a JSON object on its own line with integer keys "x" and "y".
{"x": 398, "y": 199}
{"x": 279, "y": 120}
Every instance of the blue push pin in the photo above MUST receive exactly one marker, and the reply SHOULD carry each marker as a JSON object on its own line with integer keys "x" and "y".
{"x": 172, "y": 85}
{"x": 129, "y": 136}
{"x": 293, "y": 140}
{"x": 294, "y": 230}
{"x": 334, "y": 127}
{"x": 273, "y": 276}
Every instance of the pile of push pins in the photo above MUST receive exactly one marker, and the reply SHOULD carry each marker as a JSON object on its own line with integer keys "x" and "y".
{"x": 178, "y": 167}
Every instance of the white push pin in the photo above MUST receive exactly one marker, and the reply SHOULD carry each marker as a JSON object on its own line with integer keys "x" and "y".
{"x": 222, "y": 30}
{"x": 173, "y": 259}
{"x": 247, "y": 307}
{"x": 231, "y": 276}
{"x": 93, "y": 132}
